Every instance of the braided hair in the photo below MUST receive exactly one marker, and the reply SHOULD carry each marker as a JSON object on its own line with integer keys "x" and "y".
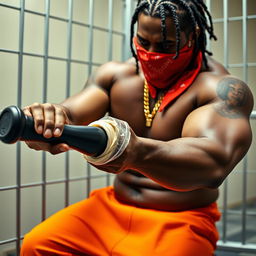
{"x": 187, "y": 16}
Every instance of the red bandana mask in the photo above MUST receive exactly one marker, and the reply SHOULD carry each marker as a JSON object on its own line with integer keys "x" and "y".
{"x": 162, "y": 71}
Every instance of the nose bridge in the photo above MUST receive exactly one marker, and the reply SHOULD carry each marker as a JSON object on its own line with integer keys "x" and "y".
{"x": 152, "y": 48}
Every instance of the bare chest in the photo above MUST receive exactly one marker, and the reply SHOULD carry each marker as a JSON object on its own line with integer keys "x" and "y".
{"x": 128, "y": 104}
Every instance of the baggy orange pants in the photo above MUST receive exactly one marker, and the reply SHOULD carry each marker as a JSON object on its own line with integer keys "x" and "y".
{"x": 101, "y": 225}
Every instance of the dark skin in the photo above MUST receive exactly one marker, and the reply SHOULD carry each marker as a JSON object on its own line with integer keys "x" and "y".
{"x": 181, "y": 160}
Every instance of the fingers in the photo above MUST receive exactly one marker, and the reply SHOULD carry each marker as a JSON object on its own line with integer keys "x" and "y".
{"x": 53, "y": 149}
{"x": 59, "y": 148}
{"x": 60, "y": 120}
{"x": 49, "y": 119}
{"x": 37, "y": 112}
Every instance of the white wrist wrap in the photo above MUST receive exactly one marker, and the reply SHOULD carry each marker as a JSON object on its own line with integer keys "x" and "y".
{"x": 118, "y": 133}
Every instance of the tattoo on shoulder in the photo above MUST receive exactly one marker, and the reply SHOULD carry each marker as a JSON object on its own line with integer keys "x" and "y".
{"x": 234, "y": 94}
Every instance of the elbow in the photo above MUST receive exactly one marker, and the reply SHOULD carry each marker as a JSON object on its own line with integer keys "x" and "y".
{"x": 219, "y": 172}
{"x": 217, "y": 179}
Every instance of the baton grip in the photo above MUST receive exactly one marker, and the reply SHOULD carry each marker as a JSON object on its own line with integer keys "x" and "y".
{"x": 16, "y": 126}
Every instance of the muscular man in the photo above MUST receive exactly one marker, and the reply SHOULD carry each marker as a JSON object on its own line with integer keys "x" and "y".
{"x": 189, "y": 121}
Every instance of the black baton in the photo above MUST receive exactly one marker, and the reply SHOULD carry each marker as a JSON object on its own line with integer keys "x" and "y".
{"x": 15, "y": 126}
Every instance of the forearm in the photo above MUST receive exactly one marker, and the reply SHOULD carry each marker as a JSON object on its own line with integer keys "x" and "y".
{"x": 182, "y": 164}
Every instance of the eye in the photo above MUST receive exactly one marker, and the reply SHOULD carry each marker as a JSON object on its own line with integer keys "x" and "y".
{"x": 143, "y": 42}
{"x": 168, "y": 46}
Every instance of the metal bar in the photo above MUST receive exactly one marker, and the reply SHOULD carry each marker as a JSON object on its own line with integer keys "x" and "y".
{"x": 225, "y": 31}
{"x": 11, "y": 240}
{"x": 253, "y": 115}
{"x": 18, "y": 197}
{"x": 5, "y": 188}
{"x": 217, "y": 20}
{"x": 238, "y": 18}
{"x": 63, "y": 19}
{"x": 123, "y": 25}
{"x": 88, "y": 183}
{"x": 7, "y": 241}
{"x": 225, "y": 185}
{"x": 209, "y": 43}
{"x": 238, "y": 212}
{"x": 241, "y": 65}
{"x": 224, "y": 210}
{"x": 245, "y": 160}
{"x": 12, "y": 187}
{"x": 68, "y": 78}
{"x": 126, "y": 23}
{"x": 19, "y": 99}
{"x": 45, "y": 79}
{"x": 235, "y": 65}
{"x": 100, "y": 28}
{"x": 110, "y": 50}
{"x": 35, "y": 184}
{"x": 75, "y": 61}
{"x": 50, "y": 57}
{"x": 10, "y": 6}
{"x": 245, "y": 51}
{"x": 236, "y": 247}
{"x": 76, "y": 23}
{"x": 244, "y": 198}
{"x": 90, "y": 54}
{"x": 110, "y": 28}
{"x": 250, "y": 17}
{"x": 90, "y": 45}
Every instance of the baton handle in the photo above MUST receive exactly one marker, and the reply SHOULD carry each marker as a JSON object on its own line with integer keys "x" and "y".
{"x": 16, "y": 126}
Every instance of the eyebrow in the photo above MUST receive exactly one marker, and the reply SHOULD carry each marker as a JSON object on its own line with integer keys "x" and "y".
{"x": 166, "y": 41}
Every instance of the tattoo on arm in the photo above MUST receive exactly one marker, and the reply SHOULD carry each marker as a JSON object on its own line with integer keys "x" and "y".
{"x": 233, "y": 94}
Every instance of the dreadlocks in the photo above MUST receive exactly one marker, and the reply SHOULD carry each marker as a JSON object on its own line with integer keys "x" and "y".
{"x": 187, "y": 15}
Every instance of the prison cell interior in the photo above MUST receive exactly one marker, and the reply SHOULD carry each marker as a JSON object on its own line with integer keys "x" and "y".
{"x": 47, "y": 50}
{"x": 235, "y": 23}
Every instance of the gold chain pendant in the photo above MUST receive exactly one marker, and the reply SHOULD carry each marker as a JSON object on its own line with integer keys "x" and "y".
{"x": 149, "y": 116}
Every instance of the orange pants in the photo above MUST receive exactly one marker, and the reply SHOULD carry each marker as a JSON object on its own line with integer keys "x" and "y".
{"x": 101, "y": 225}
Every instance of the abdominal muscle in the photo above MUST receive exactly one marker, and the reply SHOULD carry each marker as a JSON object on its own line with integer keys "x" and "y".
{"x": 134, "y": 188}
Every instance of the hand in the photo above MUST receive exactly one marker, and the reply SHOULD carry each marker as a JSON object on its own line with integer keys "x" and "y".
{"x": 49, "y": 121}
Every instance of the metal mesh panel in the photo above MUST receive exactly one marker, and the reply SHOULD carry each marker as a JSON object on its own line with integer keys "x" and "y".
{"x": 28, "y": 179}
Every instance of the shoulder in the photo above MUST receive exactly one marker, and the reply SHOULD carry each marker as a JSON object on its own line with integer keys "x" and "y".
{"x": 107, "y": 74}
{"x": 216, "y": 86}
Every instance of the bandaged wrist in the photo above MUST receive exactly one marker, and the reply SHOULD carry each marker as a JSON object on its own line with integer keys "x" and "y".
{"x": 118, "y": 133}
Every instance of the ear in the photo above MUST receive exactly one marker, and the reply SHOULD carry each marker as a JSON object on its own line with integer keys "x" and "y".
{"x": 192, "y": 35}
{"x": 198, "y": 31}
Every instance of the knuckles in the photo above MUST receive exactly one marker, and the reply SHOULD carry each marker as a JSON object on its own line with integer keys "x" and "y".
{"x": 49, "y": 123}
{"x": 49, "y": 116}
{"x": 48, "y": 107}
{"x": 39, "y": 120}
{"x": 35, "y": 105}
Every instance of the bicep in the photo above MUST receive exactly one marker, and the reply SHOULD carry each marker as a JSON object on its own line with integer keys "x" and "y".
{"x": 92, "y": 102}
{"x": 231, "y": 137}
{"x": 88, "y": 105}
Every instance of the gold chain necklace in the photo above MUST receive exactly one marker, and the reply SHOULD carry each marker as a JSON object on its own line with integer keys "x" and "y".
{"x": 149, "y": 116}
